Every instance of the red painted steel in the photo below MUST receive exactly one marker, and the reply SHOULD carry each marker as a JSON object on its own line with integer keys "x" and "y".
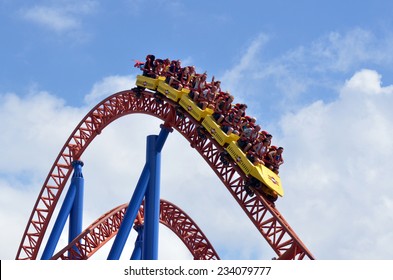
{"x": 267, "y": 219}
{"x": 106, "y": 227}
{"x": 186, "y": 229}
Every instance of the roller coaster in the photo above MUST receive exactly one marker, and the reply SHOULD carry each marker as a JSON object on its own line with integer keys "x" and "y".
{"x": 189, "y": 105}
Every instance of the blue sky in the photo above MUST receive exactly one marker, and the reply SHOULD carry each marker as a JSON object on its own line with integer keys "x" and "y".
{"x": 317, "y": 74}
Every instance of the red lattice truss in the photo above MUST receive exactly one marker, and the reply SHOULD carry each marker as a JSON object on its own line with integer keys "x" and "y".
{"x": 106, "y": 227}
{"x": 267, "y": 219}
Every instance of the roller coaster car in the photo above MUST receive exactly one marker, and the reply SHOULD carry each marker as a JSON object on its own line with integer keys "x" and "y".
{"x": 147, "y": 82}
{"x": 215, "y": 130}
{"x": 193, "y": 109}
{"x": 271, "y": 181}
{"x": 171, "y": 92}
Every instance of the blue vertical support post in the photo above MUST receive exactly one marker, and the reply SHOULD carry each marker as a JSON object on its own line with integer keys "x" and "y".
{"x": 136, "y": 201}
{"x": 130, "y": 215}
{"x": 76, "y": 213}
{"x": 137, "y": 253}
{"x": 59, "y": 224}
{"x": 152, "y": 203}
{"x": 152, "y": 198}
{"x": 75, "y": 190}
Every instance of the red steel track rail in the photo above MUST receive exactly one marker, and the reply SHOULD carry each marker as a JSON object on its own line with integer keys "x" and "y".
{"x": 267, "y": 219}
{"x": 104, "y": 228}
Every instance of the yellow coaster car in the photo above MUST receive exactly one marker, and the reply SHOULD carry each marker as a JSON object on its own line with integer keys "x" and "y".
{"x": 215, "y": 130}
{"x": 147, "y": 82}
{"x": 171, "y": 92}
{"x": 193, "y": 109}
{"x": 270, "y": 179}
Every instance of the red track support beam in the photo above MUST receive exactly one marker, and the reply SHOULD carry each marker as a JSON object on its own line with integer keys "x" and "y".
{"x": 103, "y": 229}
{"x": 267, "y": 219}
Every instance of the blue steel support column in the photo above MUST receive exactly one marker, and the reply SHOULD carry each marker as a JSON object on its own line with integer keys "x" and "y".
{"x": 137, "y": 253}
{"x": 130, "y": 215}
{"x": 135, "y": 202}
{"x": 76, "y": 214}
{"x": 60, "y": 222}
{"x": 162, "y": 137}
{"x": 152, "y": 203}
{"x": 152, "y": 197}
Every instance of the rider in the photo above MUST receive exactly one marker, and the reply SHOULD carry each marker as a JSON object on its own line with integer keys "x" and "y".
{"x": 274, "y": 159}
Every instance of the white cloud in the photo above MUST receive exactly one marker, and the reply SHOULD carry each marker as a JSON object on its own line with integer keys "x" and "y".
{"x": 248, "y": 63}
{"x": 16, "y": 202}
{"x": 52, "y": 18}
{"x": 28, "y": 124}
{"x": 108, "y": 86}
{"x": 305, "y": 73}
{"x": 341, "y": 52}
{"x": 337, "y": 170}
{"x": 63, "y": 17}
{"x": 366, "y": 82}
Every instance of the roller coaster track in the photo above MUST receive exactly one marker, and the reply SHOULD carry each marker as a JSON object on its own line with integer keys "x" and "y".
{"x": 104, "y": 228}
{"x": 263, "y": 214}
